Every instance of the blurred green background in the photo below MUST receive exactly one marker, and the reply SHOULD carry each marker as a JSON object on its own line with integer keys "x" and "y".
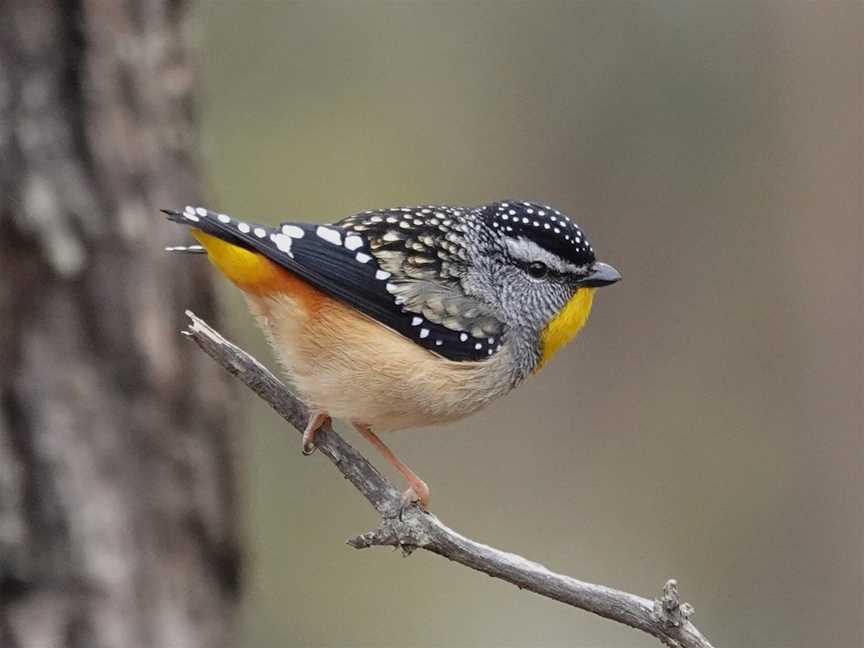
{"x": 707, "y": 425}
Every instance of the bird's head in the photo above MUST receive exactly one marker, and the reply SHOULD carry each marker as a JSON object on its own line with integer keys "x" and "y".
{"x": 539, "y": 270}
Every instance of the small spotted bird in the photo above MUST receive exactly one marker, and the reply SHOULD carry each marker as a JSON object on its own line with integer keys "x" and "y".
{"x": 411, "y": 316}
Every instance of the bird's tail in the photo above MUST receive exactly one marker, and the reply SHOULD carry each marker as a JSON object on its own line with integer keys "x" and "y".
{"x": 229, "y": 244}
{"x": 186, "y": 249}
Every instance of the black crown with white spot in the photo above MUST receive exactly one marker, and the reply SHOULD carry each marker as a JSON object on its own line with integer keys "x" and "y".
{"x": 547, "y": 227}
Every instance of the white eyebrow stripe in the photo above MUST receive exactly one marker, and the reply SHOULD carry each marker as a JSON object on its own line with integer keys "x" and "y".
{"x": 526, "y": 250}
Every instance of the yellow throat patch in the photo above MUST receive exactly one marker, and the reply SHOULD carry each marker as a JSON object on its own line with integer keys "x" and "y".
{"x": 565, "y": 325}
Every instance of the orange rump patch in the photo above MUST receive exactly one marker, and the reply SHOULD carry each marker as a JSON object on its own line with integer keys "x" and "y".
{"x": 256, "y": 274}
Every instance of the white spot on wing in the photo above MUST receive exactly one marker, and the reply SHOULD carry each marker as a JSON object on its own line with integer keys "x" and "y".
{"x": 416, "y": 321}
{"x": 424, "y": 333}
{"x": 362, "y": 258}
{"x": 293, "y": 231}
{"x": 283, "y": 242}
{"x": 243, "y": 227}
{"x": 201, "y": 211}
{"x": 382, "y": 274}
{"x": 224, "y": 218}
{"x": 353, "y": 242}
{"x": 329, "y": 235}
{"x": 260, "y": 232}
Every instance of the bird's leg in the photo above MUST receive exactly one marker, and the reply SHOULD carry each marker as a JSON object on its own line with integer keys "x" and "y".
{"x": 317, "y": 418}
{"x": 417, "y": 491}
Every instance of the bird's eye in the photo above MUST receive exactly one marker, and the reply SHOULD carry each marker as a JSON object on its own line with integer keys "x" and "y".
{"x": 537, "y": 269}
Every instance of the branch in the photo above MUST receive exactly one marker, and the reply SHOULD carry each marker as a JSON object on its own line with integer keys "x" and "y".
{"x": 665, "y": 618}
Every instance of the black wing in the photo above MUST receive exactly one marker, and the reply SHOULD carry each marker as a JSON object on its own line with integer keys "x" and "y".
{"x": 340, "y": 260}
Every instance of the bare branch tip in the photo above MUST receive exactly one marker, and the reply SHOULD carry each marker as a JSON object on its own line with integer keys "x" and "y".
{"x": 362, "y": 541}
{"x": 669, "y": 608}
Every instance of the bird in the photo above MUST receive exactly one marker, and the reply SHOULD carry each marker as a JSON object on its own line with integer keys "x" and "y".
{"x": 408, "y": 316}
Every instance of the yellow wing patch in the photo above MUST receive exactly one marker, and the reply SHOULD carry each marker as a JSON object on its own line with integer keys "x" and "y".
{"x": 249, "y": 270}
{"x": 565, "y": 325}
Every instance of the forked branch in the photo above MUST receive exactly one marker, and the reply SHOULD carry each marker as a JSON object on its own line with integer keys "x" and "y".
{"x": 666, "y": 618}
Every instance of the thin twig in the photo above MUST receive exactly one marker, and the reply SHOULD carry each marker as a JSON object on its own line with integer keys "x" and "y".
{"x": 666, "y": 618}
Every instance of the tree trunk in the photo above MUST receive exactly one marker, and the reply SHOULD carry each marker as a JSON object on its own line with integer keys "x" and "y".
{"x": 117, "y": 511}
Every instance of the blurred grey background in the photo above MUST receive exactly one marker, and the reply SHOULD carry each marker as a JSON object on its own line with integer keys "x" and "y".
{"x": 707, "y": 425}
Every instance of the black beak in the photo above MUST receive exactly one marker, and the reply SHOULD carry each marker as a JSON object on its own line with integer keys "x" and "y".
{"x": 602, "y": 274}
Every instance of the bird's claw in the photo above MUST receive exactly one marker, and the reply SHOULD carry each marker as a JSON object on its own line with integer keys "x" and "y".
{"x": 308, "y": 442}
{"x": 416, "y": 495}
{"x": 316, "y": 420}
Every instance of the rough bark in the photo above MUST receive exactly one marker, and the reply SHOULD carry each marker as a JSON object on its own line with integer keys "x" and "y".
{"x": 117, "y": 520}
